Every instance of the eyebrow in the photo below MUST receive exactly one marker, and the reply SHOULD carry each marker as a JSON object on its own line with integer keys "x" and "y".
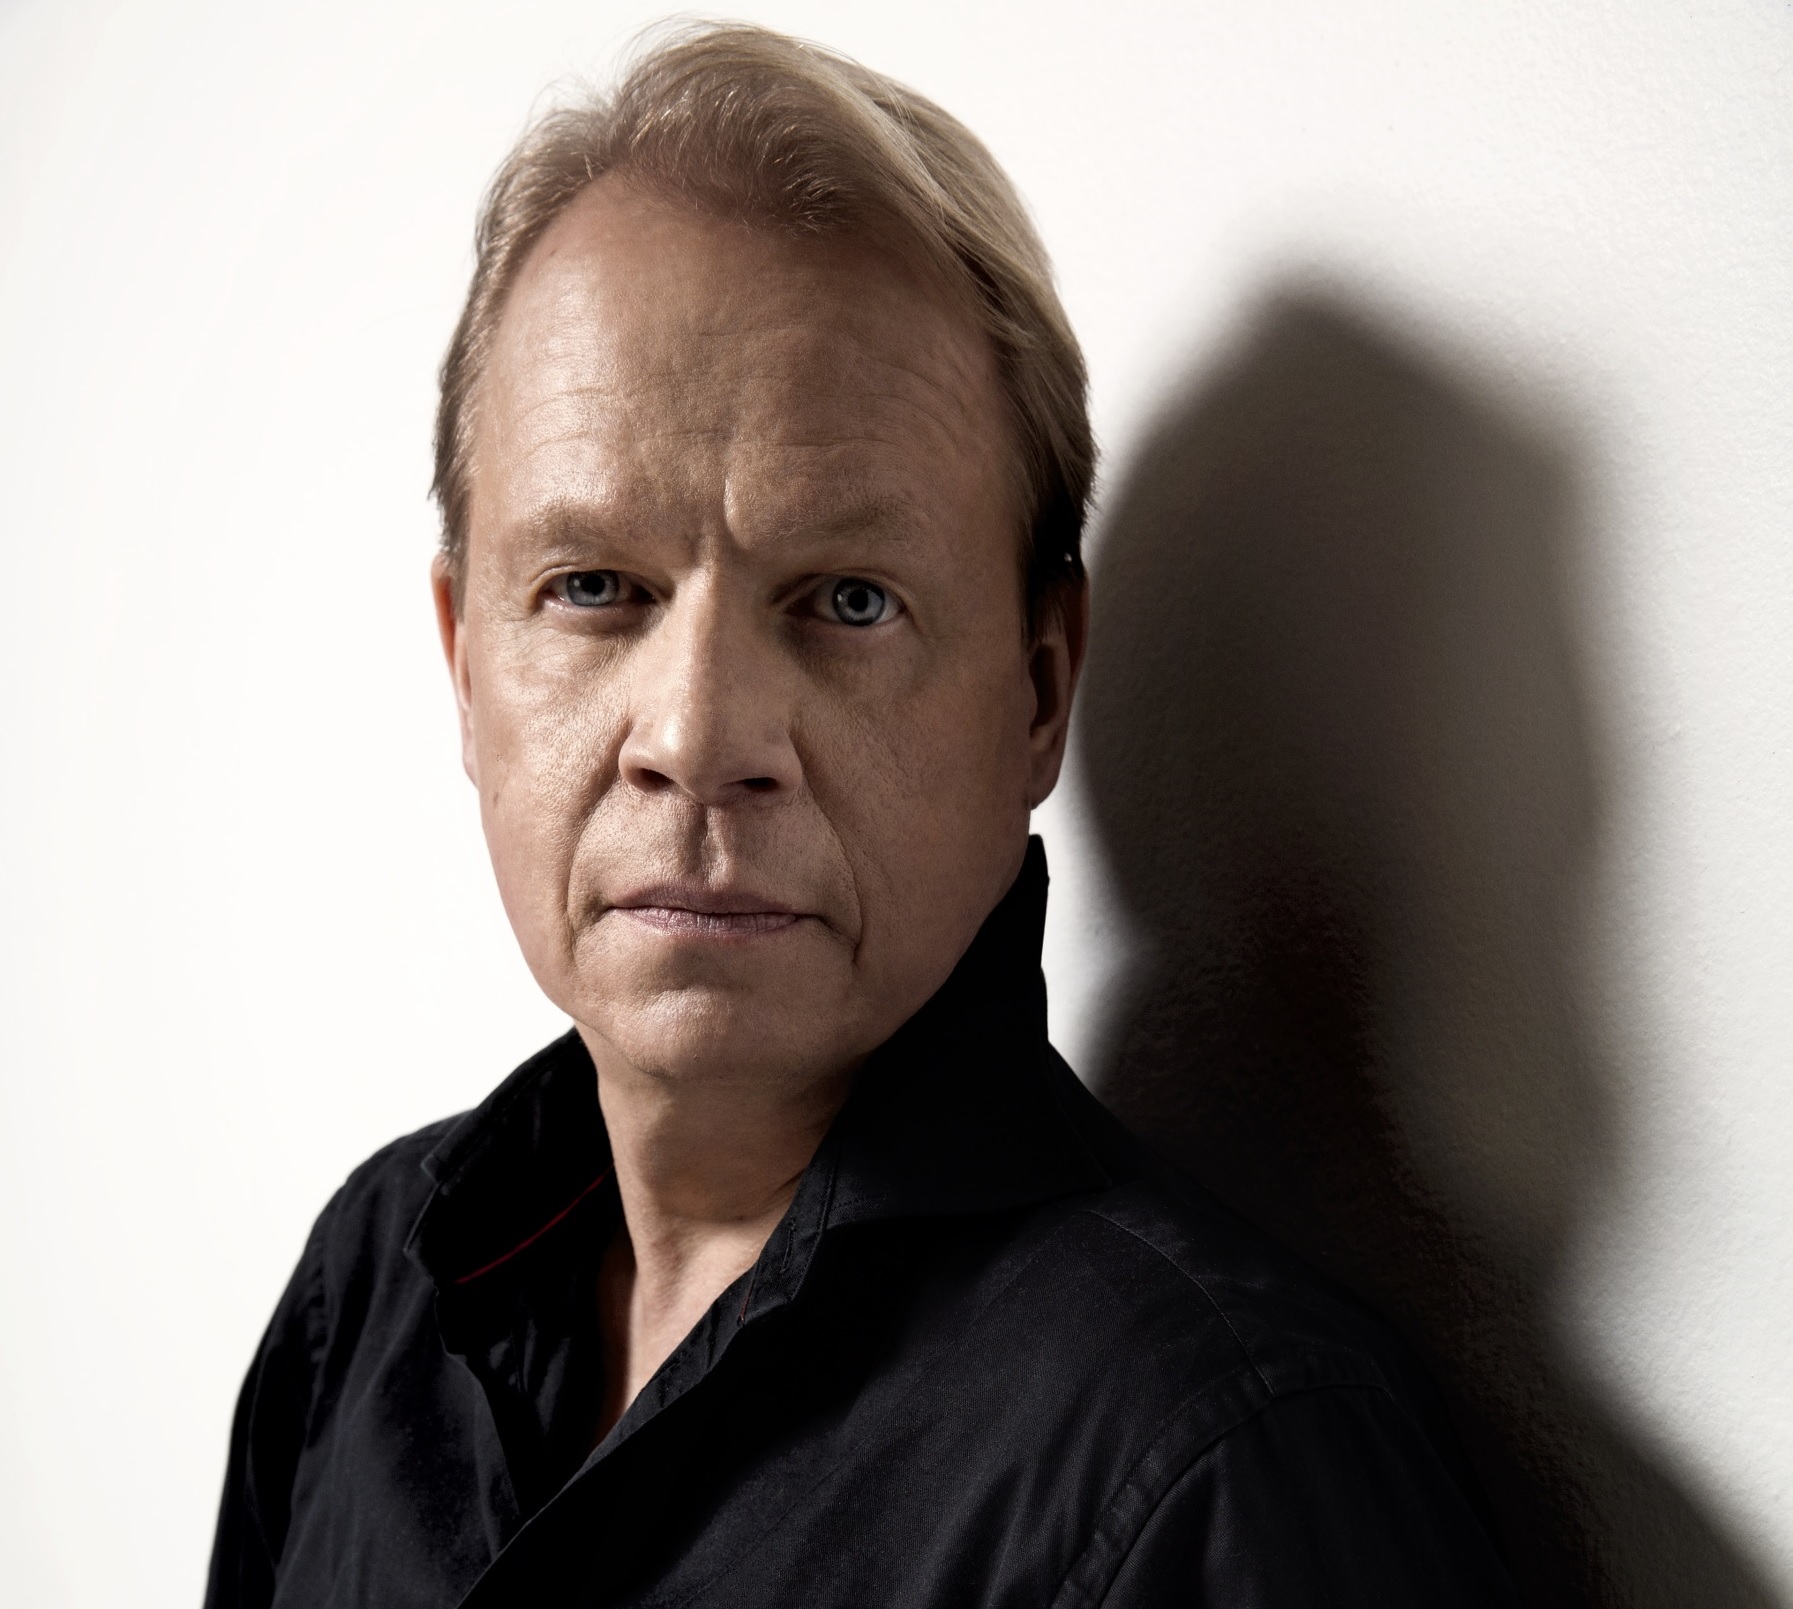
{"x": 571, "y": 524}
{"x": 563, "y": 523}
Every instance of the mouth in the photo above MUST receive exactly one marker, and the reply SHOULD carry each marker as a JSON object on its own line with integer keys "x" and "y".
{"x": 706, "y": 913}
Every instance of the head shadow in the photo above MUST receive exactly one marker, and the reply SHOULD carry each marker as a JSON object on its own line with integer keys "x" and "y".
{"x": 1343, "y": 760}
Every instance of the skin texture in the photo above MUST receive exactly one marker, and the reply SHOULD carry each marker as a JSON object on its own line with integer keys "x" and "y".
{"x": 739, "y": 838}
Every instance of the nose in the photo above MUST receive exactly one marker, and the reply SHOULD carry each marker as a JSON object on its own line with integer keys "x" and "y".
{"x": 712, "y": 707}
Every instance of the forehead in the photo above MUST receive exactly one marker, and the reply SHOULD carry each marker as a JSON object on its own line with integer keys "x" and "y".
{"x": 653, "y": 354}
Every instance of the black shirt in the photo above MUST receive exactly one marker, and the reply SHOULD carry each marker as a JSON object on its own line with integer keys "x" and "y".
{"x": 994, "y": 1354}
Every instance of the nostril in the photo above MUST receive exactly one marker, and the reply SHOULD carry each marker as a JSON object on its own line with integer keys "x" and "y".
{"x": 761, "y": 784}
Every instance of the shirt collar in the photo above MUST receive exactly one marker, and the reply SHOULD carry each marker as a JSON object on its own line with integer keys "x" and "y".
{"x": 962, "y": 1110}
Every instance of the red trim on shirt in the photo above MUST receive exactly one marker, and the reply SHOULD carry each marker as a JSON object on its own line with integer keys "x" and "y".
{"x": 529, "y": 1240}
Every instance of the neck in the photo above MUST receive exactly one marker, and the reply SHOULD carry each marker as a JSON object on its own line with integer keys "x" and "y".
{"x": 705, "y": 1173}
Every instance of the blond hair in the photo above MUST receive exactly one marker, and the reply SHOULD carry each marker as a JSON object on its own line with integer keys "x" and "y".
{"x": 784, "y": 134}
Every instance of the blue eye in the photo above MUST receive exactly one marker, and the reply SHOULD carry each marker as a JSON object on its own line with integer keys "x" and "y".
{"x": 591, "y": 589}
{"x": 857, "y": 602}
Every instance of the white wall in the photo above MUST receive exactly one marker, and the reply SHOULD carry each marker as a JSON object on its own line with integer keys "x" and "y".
{"x": 248, "y": 929}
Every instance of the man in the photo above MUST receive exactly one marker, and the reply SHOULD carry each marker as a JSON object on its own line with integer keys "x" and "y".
{"x": 801, "y": 1271}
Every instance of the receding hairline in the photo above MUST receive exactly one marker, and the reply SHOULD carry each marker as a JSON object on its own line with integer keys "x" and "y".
{"x": 881, "y": 246}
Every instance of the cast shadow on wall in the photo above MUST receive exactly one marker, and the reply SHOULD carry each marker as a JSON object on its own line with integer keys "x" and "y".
{"x": 1343, "y": 763}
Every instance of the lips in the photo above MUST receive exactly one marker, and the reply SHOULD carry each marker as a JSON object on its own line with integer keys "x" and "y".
{"x": 706, "y": 912}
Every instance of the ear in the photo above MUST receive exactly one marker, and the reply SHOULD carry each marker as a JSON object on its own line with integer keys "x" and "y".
{"x": 453, "y": 631}
{"x": 1055, "y": 660}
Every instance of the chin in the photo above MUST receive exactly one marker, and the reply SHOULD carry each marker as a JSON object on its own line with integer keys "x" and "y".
{"x": 713, "y": 1036}
{"x": 722, "y": 1013}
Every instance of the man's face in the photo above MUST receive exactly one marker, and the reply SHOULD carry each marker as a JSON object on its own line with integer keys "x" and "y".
{"x": 744, "y": 683}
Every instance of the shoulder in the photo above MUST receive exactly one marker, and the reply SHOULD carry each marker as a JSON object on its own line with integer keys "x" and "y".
{"x": 391, "y": 1183}
{"x": 362, "y": 1231}
{"x": 1232, "y": 1372}
{"x": 1199, "y": 1303}
{"x": 1184, "y": 1295}
{"x": 1286, "y": 1446}
{"x": 1218, "y": 1284}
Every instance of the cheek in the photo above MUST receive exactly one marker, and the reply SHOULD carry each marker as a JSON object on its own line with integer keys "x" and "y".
{"x": 963, "y": 735}
{"x": 949, "y": 732}
{"x": 926, "y": 785}
{"x": 545, "y": 732}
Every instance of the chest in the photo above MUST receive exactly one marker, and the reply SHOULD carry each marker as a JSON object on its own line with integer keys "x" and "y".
{"x": 892, "y": 1446}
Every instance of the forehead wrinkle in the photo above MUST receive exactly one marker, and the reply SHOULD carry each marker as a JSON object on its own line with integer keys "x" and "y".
{"x": 758, "y": 380}
{"x": 598, "y": 403}
{"x": 792, "y": 368}
{"x": 915, "y": 413}
{"x": 631, "y": 449}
